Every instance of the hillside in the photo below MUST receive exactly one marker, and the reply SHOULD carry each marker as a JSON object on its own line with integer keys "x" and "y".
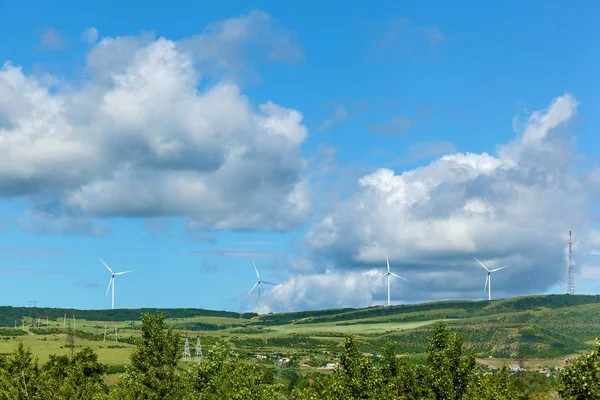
{"x": 551, "y": 327}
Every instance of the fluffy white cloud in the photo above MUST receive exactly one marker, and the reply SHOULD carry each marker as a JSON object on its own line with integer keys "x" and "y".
{"x": 312, "y": 291}
{"x": 156, "y": 131}
{"x": 512, "y": 207}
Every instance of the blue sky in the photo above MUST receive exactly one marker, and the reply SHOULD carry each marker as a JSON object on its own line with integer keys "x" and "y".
{"x": 129, "y": 149}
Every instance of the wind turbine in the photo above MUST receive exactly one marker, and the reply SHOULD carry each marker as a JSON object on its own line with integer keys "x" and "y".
{"x": 388, "y": 273}
{"x": 112, "y": 281}
{"x": 257, "y": 284}
{"x": 488, "y": 279}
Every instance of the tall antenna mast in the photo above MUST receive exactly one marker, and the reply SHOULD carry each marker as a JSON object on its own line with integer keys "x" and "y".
{"x": 570, "y": 279}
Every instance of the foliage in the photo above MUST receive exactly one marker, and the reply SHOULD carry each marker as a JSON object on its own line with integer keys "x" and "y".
{"x": 152, "y": 374}
{"x": 222, "y": 375}
{"x": 76, "y": 378}
{"x": 581, "y": 379}
{"x": 452, "y": 368}
{"x": 446, "y": 372}
{"x": 12, "y": 332}
{"x": 8, "y": 314}
{"x": 60, "y": 378}
{"x": 492, "y": 387}
{"x": 19, "y": 376}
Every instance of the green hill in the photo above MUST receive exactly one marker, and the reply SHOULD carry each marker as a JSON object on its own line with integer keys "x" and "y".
{"x": 552, "y": 326}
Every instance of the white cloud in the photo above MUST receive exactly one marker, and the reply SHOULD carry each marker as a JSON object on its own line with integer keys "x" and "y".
{"x": 155, "y": 133}
{"x": 90, "y": 35}
{"x": 507, "y": 208}
{"x": 312, "y": 291}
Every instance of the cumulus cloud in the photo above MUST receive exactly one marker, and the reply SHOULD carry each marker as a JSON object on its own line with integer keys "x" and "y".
{"x": 312, "y": 291}
{"x": 156, "y": 131}
{"x": 503, "y": 208}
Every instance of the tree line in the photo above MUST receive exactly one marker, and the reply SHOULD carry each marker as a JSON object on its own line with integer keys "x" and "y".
{"x": 448, "y": 372}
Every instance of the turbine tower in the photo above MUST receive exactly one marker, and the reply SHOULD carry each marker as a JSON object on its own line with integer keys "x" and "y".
{"x": 257, "y": 285}
{"x": 488, "y": 279}
{"x": 388, "y": 273}
{"x": 111, "y": 282}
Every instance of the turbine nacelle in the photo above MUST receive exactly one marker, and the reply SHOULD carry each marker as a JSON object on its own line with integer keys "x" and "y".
{"x": 257, "y": 285}
{"x": 488, "y": 278}
{"x": 111, "y": 281}
{"x": 388, "y": 274}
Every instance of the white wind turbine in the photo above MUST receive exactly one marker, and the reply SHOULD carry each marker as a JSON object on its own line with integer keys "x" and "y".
{"x": 257, "y": 284}
{"x": 388, "y": 273}
{"x": 488, "y": 279}
{"x": 112, "y": 280}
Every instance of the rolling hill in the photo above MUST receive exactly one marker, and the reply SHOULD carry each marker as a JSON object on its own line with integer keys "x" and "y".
{"x": 545, "y": 327}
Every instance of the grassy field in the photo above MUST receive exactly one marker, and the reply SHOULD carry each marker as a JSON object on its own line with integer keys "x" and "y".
{"x": 547, "y": 328}
{"x": 45, "y": 345}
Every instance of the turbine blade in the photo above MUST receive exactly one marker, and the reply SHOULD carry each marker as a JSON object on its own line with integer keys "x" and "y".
{"x": 498, "y": 269}
{"x": 398, "y": 276}
{"x": 109, "y": 283}
{"x": 257, "y": 275}
{"x": 380, "y": 278}
{"x": 253, "y": 287}
{"x": 105, "y": 265}
{"x": 486, "y": 283}
{"x": 480, "y": 263}
{"x": 270, "y": 283}
{"x": 388, "y": 262}
{"x": 124, "y": 272}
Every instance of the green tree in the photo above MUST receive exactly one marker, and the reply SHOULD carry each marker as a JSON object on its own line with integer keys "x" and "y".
{"x": 74, "y": 378}
{"x": 19, "y": 375}
{"x": 451, "y": 370}
{"x": 492, "y": 387}
{"x": 152, "y": 374}
{"x": 223, "y": 375}
{"x": 389, "y": 363}
{"x": 581, "y": 379}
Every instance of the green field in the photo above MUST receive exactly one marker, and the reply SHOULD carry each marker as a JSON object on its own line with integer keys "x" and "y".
{"x": 548, "y": 329}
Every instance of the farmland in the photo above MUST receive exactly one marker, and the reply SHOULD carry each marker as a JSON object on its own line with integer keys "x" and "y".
{"x": 545, "y": 330}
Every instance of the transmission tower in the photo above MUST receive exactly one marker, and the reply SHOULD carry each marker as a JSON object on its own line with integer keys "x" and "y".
{"x": 198, "y": 349}
{"x": 186, "y": 349}
{"x": 570, "y": 278}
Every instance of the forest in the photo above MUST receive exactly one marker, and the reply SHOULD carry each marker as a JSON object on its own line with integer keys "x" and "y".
{"x": 447, "y": 371}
